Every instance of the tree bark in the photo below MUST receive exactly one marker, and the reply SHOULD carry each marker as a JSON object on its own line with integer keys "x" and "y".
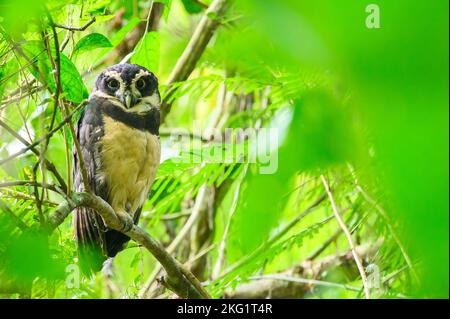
{"x": 298, "y": 281}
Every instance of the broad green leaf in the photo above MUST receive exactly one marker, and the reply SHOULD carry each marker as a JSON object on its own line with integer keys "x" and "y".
{"x": 192, "y": 6}
{"x": 120, "y": 35}
{"x": 71, "y": 81}
{"x": 26, "y": 250}
{"x": 116, "y": 39}
{"x": 147, "y": 51}
{"x": 72, "y": 85}
{"x": 90, "y": 42}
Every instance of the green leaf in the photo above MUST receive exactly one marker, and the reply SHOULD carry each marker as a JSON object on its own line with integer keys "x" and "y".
{"x": 192, "y": 6}
{"x": 72, "y": 85}
{"x": 116, "y": 39}
{"x": 90, "y": 42}
{"x": 120, "y": 35}
{"x": 71, "y": 81}
{"x": 7, "y": 74}
{"x": 167, "y": 5}
{"x": 147, "y": 51}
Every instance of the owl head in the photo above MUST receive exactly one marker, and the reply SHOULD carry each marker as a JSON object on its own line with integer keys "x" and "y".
{"x": 131, "y": 86}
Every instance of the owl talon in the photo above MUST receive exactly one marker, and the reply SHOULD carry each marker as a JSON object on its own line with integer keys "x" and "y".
{"x": 127, "y": 221}
{"x": 127, "y": 227}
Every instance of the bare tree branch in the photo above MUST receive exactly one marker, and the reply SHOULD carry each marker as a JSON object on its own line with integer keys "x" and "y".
{"x": 187, "y": 226}
{"x": 297, "y": 281}
{"x": 180, "y": 279}
{"x": 194, "y": 50}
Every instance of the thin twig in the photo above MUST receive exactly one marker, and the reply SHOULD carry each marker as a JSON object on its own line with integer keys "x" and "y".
{"x": 322, "y": 247}
{"x": 46, "y": 136}
{"x": 72, "y": 28}
{"x": 222, "y": 245}
{"x": 13, "y": 98}
{"x": 50, "y": 166}
{"x": 200, "y": 254}
{"x": 56, "y": 72}
{"x": 51, "y": 187}
{"x": 68, "y": 158}
{"x": 391, "y": 230}
{"x": 12, "y": 193}
{"x": 349, "y": 238}
{"x": 175, "y": 216}
{"x": 20, "y": 224}
{"x": 56, "y": 66}
{"x": 298, "y": 282}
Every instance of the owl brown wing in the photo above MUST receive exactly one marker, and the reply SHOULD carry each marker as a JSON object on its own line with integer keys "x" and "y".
{"x": 88, "y": 225}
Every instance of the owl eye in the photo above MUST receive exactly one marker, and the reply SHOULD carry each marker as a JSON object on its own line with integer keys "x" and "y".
{"x": 140, "y": 84}
{"x": 113, "y": 84}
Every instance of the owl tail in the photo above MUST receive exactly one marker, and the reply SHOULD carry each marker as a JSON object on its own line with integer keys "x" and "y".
{"x": 90, "y": 239}
{"x": 95, "y": 242}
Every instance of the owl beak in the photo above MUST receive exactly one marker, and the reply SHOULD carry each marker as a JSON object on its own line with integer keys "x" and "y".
{"x": 127, "y": 99}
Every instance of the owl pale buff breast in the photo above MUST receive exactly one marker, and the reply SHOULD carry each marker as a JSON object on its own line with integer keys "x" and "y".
{"x": 130, "y": 159}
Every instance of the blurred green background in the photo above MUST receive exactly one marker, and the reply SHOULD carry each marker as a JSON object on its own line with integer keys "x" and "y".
{"x": 365, "y": 107}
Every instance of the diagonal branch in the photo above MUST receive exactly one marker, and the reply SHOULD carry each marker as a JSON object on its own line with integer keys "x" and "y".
{"x": 176, "y": 242}
{"x": 180, "y": 280}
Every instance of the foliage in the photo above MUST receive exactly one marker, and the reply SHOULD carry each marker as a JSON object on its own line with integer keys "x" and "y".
{"x": 365, "y": 108}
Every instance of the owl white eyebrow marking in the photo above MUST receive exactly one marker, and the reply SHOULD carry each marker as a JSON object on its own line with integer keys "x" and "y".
{"x": 113, "y": 74}
{"x": 116, "y": 75}
{"x": 138, "y": 75}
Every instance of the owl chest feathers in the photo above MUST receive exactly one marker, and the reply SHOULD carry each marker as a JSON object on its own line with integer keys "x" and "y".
{"x": 129, "y": 161}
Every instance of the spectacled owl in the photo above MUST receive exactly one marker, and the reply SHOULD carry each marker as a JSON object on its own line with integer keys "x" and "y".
{"x": 118, "y": 133}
